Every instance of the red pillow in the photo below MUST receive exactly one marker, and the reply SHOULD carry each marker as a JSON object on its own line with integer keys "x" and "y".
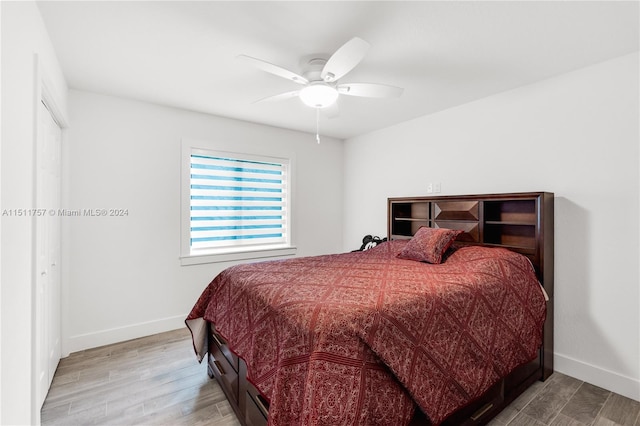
{"x": 429, "y": 244}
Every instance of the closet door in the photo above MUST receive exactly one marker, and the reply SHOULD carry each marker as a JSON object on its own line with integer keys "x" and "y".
{"x": 47, "y": 240}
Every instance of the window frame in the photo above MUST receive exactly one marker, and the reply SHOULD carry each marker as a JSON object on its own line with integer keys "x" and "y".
{"x": 248, "y": 252}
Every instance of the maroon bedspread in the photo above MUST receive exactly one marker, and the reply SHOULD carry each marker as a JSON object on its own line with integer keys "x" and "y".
{"x": 356, "y": 338}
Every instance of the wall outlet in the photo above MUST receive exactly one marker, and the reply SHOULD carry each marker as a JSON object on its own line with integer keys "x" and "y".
{"x": 429, "y": 188}
{"x": 437, "y": 187}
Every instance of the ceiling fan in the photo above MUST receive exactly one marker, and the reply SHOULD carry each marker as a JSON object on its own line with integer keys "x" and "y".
{"x": 321, "y": 76}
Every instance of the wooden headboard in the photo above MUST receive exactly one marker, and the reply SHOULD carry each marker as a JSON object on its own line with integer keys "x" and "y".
{"x": 522, "y": 222}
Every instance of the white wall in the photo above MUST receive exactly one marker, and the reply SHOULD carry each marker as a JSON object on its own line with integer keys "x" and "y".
{"x": 123, "y": 276}
{"x": 575, "y": 135}
{"x": 24, "y": 39}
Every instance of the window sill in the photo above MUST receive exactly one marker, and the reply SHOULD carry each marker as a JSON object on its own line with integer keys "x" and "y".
{"x": 199, "y": 259}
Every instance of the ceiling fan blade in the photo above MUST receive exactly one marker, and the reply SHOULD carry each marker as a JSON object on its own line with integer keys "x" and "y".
{"x": 281, "y": 97}
{"x": 369, "y": 90}
{"x": 274, "y": 69}
{"x": 344, "y": 59}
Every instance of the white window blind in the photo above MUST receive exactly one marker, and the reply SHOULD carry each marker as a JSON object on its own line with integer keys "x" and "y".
{"x": 237, "y": 203}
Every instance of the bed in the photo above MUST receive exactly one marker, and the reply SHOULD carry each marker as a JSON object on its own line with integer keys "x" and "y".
{"x": 445, "y": 323}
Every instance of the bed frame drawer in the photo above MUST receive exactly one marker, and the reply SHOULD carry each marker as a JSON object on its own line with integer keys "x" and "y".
{"x": 223, "y": 365}
{"x": 255, "y": 414}
{"x": 225, "y": 374}
{"x": 481, "y": 411}
{"x": 221, "y": 344}
{"x": 254, "y": 407}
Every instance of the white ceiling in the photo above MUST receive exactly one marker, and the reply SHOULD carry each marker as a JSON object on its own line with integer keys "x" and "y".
{"x": 443, "y": 53}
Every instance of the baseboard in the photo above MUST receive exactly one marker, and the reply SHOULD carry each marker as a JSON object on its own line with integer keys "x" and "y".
{"x": 81, "y": 342}
{"x": 615, "y": 382}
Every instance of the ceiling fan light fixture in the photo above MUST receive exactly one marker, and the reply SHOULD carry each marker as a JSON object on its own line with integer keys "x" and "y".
{"x": 318, "y": 95}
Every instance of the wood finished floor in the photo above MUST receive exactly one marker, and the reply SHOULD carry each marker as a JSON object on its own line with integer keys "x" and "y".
{"x": 156, "y": 380}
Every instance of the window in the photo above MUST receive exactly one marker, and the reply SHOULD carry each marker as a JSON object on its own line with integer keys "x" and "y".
{"x": 238, "y": 206}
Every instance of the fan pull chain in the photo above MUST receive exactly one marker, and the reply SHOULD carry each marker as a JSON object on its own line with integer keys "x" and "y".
{"x": 318, "y": 125}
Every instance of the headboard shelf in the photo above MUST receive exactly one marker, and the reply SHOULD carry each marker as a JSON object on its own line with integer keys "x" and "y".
{"x": 521, "y": 222}
{"x": 514, "y": 221}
